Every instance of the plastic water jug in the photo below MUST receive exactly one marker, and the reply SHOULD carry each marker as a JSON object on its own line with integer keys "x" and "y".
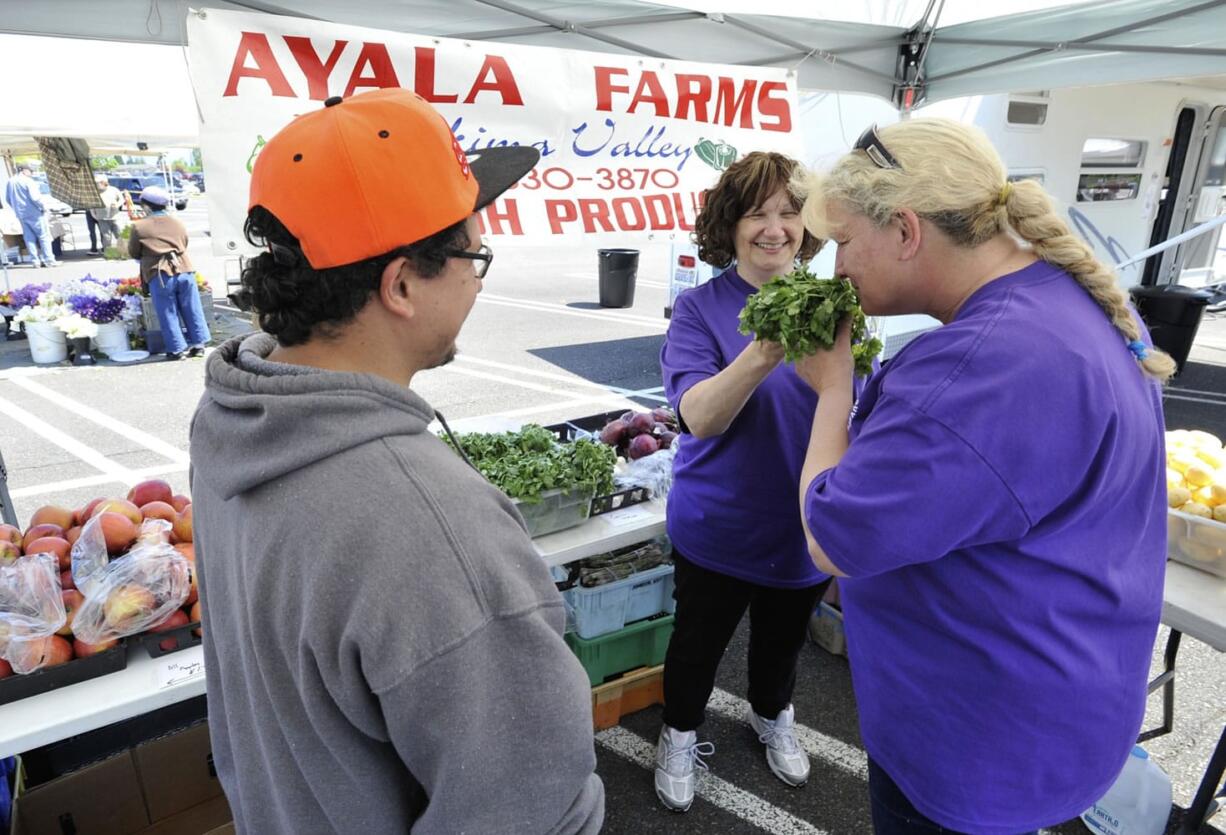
{"x": 1137, "y": 804}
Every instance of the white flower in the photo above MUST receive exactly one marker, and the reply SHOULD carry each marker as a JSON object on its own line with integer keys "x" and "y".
{"x": 49, "y": 308}
{"x": 76, "y": 326}
{"x": 132, "y": 310}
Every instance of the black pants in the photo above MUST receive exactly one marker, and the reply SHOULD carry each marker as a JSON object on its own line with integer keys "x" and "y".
{"x": 709, "y": 608}
{"x": 893, "y": 814}
{"x": 92, "y": 225}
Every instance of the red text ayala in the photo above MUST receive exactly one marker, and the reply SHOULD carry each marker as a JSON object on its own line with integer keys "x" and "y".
{"x": 714, "y": 99}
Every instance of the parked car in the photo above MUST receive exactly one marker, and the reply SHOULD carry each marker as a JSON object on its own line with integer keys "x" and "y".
{"x": 135, "y": 184}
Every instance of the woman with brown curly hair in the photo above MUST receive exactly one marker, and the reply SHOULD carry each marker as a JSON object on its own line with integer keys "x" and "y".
{"x": 732, "y": 514}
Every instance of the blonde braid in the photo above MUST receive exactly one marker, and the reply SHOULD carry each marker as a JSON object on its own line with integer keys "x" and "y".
{"x": 1030, "y": 213}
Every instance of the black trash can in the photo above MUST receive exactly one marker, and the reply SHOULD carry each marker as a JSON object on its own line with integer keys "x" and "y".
{"x": 618, "y": 270}
{"x": 1172, "y": 313}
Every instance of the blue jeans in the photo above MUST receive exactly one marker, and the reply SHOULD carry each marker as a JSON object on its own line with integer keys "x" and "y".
{"x": 37, "y": 235}
{"x": 174, "y": 296}
{"x": 893, "y": 814}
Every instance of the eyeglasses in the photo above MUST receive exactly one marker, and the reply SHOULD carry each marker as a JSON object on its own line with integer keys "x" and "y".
{"x": 871, "y": 144}
{"x": 484, "y": 256}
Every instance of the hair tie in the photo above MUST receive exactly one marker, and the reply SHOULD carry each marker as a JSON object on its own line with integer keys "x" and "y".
{"x": 1139, "y": 349}
{"x": 1004, "y": 194}
{"x": 284, "y": 255}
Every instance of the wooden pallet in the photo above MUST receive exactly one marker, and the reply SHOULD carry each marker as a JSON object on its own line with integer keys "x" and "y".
{"x": 635, "y": 690}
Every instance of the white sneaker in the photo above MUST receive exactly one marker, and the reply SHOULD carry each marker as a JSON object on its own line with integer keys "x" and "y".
{"x": 783, "y": 752}
{"x": 678, "y": 756}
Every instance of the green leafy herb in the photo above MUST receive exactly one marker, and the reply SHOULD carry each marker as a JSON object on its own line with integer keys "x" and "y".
{"x": 801, "y": 312}
{"x": 527, "y": 463}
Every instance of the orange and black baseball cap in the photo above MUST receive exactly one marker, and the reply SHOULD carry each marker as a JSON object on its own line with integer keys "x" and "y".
{"x": 374, "y": 172}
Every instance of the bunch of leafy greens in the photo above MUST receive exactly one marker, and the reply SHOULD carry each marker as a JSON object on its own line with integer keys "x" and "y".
{"x": 526, "y": 463}
{"x": 801, "y": 312}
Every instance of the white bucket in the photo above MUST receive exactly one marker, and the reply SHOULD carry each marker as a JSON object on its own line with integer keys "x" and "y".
{"x": 47, "y": 342}
{"x": 112, "y": 338}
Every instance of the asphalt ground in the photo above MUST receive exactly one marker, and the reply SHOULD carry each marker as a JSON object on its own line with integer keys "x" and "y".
{"x": 538, "y": 347}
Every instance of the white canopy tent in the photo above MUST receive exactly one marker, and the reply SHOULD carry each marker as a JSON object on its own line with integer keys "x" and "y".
{"x": 906, "y": 51}
{"x": 90, "y": 94}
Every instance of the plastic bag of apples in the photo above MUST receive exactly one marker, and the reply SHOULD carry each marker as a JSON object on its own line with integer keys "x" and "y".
{"x": 31, "y": 610}
{"x": 132, "y": 579}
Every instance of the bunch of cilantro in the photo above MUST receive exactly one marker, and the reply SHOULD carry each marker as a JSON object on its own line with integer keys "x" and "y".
{"x": 527, "y": 463}
{"x": 801, "y": 312}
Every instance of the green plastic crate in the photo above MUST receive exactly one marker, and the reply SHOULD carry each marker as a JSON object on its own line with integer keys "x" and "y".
{"x": 640, "y": 644}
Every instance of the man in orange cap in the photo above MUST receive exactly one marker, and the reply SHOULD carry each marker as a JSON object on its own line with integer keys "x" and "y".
{"x": 383, "y": 644}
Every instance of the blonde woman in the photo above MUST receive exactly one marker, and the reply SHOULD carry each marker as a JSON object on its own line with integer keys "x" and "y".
{"x": 997, "y": 501}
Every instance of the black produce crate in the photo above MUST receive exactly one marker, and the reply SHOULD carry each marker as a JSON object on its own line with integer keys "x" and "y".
{"x": 17, "y": 687}
{"x": 592, "y": 423}
{"x": 184, "y": 639}
{"x": 567, "y": 431}
{"x": 67, "y": 755}
{"x": 620, "y": 499}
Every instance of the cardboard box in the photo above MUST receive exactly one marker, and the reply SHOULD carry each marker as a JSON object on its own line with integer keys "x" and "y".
{"x": 166, "y": 786}
{"x": 100, "y": 799}
{"x": 176, "y": 772}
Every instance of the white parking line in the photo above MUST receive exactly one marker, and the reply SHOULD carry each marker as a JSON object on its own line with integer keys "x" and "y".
{"x": 139, "y": 436}
{"x": 750, "y": 808}
{"x": 1166, "y": 395}
{"x": 562, "y": 378}
{"x": 849, "y": 758}
{"x": 68, "y": 443}
{"x": 660, "y": 324}
{"x": 95, "y": 481}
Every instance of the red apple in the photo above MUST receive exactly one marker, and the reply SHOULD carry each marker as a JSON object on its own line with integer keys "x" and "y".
{"x": 118, "y": 530}
{"x": 153, "y": 490}
{"x": 159, "y": 510}
{"x": 9, "y": 552}
{"x": 83, "y": 515}
{"x": 53, "y": 545}
{"x": 73, "y": 600}
{"x": 10, "y": 533}
{"x": 84, "y": 650}
{"x": 38, "y": 532}
{"x": 177, "y": 618}
{"x": 179, "y": 501}
{"x": 66, "y": 581}
{"x": 6, "y": 669}
{"x": 119, "y": 506}
{"x": 182, "y": 530}
{"x": 51, "y": 651}
{"x": 126, "y": 606}
{"x": 53, "y": 515}
{"x": 73, "y": 534}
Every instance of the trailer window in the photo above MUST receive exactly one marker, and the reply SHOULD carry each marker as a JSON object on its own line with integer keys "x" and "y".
{"x": 1029, "y": 113}
{"x": 1095, "y": 188}
{"x": 1112, "y": 153}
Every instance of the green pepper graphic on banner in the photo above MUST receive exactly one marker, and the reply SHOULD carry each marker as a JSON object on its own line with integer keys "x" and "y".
{"x": 717, "y": 155}
{"x": 255, "y": 152}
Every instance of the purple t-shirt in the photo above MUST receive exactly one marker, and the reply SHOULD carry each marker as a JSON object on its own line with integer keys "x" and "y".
{"x": 1001, "y": 514}
{"x": 732, "y": 507}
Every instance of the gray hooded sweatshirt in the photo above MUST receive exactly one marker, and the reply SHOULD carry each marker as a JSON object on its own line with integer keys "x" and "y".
{"x": 383, "y": 644}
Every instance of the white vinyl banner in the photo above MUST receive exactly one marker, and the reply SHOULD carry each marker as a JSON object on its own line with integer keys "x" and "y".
{"x": 627, "y": 144}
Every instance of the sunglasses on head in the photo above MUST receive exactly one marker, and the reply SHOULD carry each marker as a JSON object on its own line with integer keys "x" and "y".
{"x": 871, "y": 144}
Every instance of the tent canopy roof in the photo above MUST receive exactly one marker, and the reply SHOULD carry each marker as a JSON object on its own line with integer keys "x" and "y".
{"x": 907, "y": 51}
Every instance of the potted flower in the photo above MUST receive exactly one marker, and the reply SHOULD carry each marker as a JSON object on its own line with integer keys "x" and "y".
{"x": 79, "y": 331}
{"x": 15, "y": 300}
{"x": 99, "y": 302}
{"x": 47, "y": 341}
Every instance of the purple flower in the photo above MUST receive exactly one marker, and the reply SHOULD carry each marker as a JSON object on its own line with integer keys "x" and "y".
{"x": 26, "y": 296}
{"x": 97, "y": 310}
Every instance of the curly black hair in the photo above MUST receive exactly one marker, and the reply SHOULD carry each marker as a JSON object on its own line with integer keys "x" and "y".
{"x": 296, "y": 303}
{"x": 746, "y": 184}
